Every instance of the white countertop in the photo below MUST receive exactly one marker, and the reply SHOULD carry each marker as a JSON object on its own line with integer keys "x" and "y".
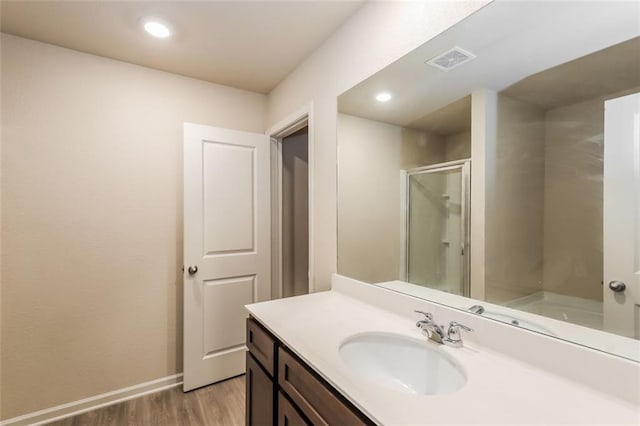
{"x": 598, "y": 339}
{"x": 499, "y": 389}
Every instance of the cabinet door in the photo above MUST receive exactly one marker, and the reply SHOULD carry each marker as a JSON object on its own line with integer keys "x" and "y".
{"x": 260, "y": 395}
{"x": 288, "y": 415}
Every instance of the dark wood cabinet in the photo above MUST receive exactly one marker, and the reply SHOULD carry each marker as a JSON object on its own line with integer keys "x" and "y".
{"x": 260, "y": 394}
{"x": 262, "y": 345}
{"x": 288, "y": 415}
{"x": 282, "y": 390}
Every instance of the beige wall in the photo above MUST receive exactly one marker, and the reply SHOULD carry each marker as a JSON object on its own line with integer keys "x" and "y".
{"x": 573, "y": 198}
{"x": 458, "y": 146}
{"x": 371, "y": 155}
{"x": 91, "y": 191}
{"x": 377, "y": 35}
{"x": 514, "y": 210}
{"x": 92, "y": 219}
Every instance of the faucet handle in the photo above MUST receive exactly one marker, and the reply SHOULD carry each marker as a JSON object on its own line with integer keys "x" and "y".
{"x": 453, "y": 334}
{"x": 426, "y": 314}
{"x": 453, "y": 326}
{"x": 423, "y": 324}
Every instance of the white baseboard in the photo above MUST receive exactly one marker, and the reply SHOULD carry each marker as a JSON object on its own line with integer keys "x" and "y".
{"x": 94, "y": 402}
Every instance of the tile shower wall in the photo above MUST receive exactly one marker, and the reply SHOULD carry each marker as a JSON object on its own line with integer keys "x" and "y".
{"x": 544, "y": 225}
{"x": 574, "y": 162}
{"x": 574, "y": 149}
{"x": 514, "y": 217}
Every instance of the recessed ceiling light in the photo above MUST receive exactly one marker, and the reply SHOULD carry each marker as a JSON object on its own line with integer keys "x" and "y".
{"x": 157, "y": 29}
{"x": 383, "y": 97}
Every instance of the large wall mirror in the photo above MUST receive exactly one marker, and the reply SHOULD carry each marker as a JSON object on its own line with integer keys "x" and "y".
{"x": 496, "y": 169}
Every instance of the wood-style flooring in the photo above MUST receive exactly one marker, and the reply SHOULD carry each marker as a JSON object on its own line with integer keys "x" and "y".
{"x": 219, "y": 404}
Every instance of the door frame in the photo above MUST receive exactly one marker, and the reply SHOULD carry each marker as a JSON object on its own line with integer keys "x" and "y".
{"x": 289, "y": 125}
{"x": 465, "y": 168}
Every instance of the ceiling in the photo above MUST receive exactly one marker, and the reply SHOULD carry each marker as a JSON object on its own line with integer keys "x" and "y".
{"x": 251, "y": 45}
{"x": 449, "y": 120}
{"x": 512, "y": 41}
{"x": 611, "y": 70}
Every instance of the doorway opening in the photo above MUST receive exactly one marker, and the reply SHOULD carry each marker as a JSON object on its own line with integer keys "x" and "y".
{"x": 291, "y": 166}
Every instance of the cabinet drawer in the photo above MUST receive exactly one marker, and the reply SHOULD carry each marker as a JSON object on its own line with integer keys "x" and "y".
{"x": 288, "y": 415}
{"x": 311, "y": 395}
{"x": 261, "y": 345}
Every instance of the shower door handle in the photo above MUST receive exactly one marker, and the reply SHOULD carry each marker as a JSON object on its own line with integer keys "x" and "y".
{"x": 617, "y": 286}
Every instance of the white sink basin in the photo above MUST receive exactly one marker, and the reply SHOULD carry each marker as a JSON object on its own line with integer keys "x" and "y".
{"x": 402, "y": 363}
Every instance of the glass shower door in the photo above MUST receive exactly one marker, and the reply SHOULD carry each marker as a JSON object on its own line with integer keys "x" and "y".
{"x": 437, "y": 227}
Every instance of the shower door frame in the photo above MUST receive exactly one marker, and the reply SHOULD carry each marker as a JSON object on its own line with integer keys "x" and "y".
{"x": 465, "y": 213}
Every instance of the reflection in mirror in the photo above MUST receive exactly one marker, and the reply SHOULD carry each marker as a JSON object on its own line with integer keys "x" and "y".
{"x": 436, "y": 227}
{"x": 511, "y": 178}
{"x": 545, "y": 221}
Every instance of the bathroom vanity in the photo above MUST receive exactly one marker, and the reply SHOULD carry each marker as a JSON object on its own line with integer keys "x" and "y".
{"x": 282, "y": 387}
{"x": 299, "y": 371}
{"x": 492, "y": 197}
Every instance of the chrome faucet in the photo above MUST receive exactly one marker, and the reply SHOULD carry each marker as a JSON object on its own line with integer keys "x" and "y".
{"x": 429, "y": 328}
{"x": 436, "y": 333}
{"x": 476, "y": 309}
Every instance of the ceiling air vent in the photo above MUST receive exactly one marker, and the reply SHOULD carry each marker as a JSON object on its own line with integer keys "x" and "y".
{"x": 451, "y": 58}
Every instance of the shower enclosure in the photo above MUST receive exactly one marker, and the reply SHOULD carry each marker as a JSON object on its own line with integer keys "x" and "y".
{"x": 435, "y": 232}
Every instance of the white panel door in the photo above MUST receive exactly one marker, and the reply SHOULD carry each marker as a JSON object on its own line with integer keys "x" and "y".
{"x": 226, "y": 247}
{"x": 622, "y": 216}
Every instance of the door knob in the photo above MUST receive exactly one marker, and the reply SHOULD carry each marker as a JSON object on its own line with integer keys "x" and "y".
{"x": 192, "y": 270}
{"x": 617, "y": 286}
